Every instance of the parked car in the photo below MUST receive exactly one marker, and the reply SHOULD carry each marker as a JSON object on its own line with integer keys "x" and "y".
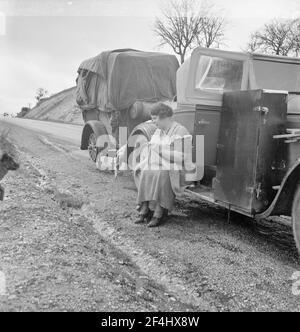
{"x": 117, "y": 88}
{"x": 247, "y": 106}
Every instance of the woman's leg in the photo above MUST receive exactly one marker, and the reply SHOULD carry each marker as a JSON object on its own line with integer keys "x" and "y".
{"x": 159, "y": 214}
{"x": 144, "y": 210}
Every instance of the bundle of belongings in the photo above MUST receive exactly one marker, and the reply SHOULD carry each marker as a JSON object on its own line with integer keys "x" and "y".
{"x": 115, "y": 80}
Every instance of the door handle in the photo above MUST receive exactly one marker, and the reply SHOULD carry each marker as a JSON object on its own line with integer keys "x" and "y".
{"x": 203, "y": 122}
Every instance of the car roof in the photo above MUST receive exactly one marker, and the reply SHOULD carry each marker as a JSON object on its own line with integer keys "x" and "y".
{"x": 275, "y": 58}
{"x": 250, "y": 55}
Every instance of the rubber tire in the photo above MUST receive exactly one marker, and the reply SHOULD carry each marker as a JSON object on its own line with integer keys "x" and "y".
{"x": 296, "y": 218}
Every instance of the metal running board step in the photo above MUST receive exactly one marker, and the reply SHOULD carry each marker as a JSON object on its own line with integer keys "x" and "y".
{"x": 201, "y": 192}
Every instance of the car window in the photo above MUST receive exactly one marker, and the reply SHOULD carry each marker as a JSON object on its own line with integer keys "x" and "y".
{"x": 277, "y": 76}
{"x": 217, "y": 74}
{"x": 294, "y": 103}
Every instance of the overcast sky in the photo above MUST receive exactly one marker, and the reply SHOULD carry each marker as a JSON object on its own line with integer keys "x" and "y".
{"x": 43, "y": 42}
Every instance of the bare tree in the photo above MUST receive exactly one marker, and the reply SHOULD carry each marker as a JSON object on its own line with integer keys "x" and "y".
{"x": 254, "y": 44}
{"x": 40, "y": 94}
{"x": 296, "y": 38}
{"x": 212, "y": 31}
{"x": 277, "y": 37}
{"x": 185, "y": 24}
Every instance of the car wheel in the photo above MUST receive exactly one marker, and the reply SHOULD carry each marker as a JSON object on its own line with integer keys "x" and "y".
{"x": 296, "y": 218}
{"x": 92, "y": 147}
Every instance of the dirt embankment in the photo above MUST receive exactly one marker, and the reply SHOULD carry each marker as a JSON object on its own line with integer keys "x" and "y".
{"x": 59, "y": 107}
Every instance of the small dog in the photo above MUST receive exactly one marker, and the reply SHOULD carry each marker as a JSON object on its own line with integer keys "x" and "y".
{"x": 7, "y": 163}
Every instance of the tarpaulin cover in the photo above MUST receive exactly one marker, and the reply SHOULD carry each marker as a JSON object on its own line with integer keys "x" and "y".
{"x": 114, "y": 80}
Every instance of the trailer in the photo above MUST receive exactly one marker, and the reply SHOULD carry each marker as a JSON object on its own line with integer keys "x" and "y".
{"x": 116, "y": 89}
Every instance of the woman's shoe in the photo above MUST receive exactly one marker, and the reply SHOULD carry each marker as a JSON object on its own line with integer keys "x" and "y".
{"x": 165, "y": 213}
{"x": 140, "y": 219}
{"x": 155, "y": 222}
{"x": 149, "y": 216}
{"x": 144, "y": 217}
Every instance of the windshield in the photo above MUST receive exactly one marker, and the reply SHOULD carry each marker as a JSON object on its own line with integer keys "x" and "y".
{"x": 217, "y": 74}
{"x": 277, "y": 75}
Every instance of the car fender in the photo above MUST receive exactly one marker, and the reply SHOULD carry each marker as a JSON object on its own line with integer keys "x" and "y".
{"x": 282, "y": 203}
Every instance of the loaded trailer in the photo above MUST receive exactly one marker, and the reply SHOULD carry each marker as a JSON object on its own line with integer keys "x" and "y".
{"x": 117, "y": 89}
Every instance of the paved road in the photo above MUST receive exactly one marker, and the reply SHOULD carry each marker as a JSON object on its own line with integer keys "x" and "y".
{"x": 68, "y": 132}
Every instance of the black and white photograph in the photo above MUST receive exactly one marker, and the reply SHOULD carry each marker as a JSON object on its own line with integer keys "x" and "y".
{"x": 149, "y": 159}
